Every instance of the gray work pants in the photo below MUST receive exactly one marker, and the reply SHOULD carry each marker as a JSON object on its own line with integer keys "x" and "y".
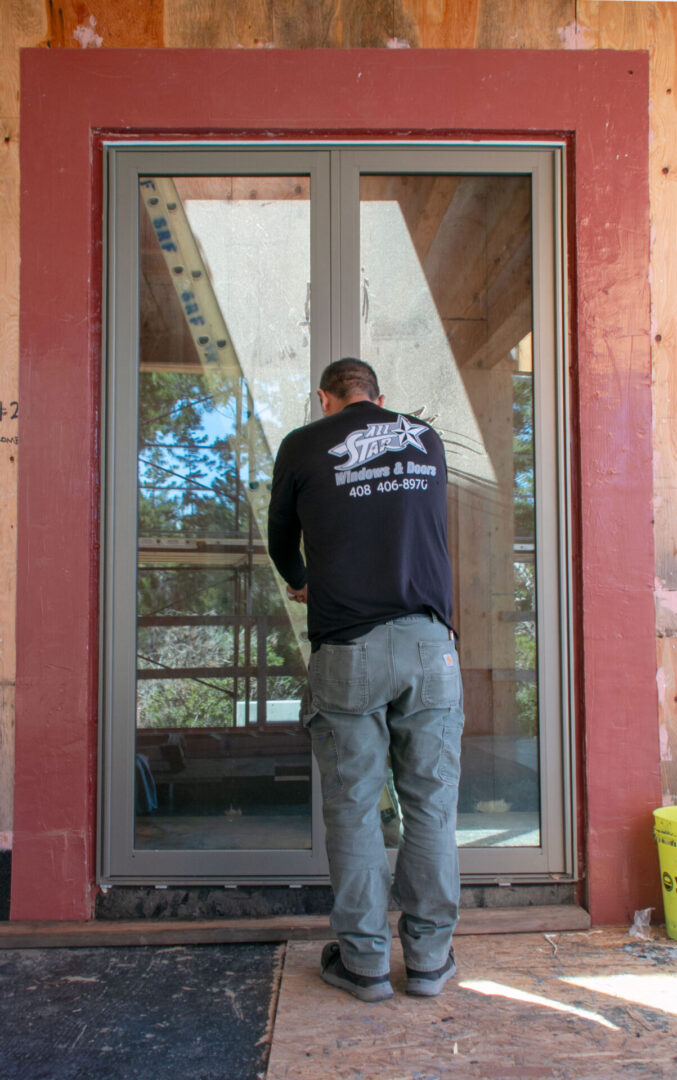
{"x": 396, "y": 690}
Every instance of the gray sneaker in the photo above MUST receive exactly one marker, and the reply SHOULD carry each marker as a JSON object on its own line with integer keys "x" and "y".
{"x": 364, "y": 987}
{"x": 429, "y": 983}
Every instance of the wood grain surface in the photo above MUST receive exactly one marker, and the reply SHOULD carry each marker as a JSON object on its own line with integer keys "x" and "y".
{"x": 567, "y": 1006}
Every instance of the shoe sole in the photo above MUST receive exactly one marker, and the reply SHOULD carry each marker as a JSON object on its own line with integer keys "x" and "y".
{"x": 428, "y": 987}
{"x": 364, "y": 993}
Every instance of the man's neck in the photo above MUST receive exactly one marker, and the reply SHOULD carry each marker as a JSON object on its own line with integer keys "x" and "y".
{"x": 354, "y": 400}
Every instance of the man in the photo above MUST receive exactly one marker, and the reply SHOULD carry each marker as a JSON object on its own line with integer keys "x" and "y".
{"x": 367, "y": 490}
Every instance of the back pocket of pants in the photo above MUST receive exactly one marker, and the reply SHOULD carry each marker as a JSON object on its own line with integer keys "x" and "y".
{"x": 441, "y": 685}
{"x": 338, "y": 678}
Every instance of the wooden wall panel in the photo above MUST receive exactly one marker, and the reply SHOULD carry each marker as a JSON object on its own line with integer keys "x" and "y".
{"x": 662, "y": 32}
{"x": 9, "y": 434}
{"x": 110, "y": 24}
{"x": 211, "y": 24}
{"x": 667, "y": 700}
{"x": 287, "y": 24}
{"x": 654, "y": 27}
{"x": 371, "y": 24}
{"x": 524, "y": 24}
{"x": 442, "y": 24}
{"x": 21, "y": 24}
{"x": 305, "y": 24}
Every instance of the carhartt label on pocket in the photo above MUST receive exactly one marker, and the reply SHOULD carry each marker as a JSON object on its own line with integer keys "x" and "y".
{"x": 448, "y": 659}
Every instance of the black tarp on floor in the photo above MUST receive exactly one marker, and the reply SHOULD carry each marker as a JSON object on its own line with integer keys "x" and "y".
{"x": 190, "y": 1013}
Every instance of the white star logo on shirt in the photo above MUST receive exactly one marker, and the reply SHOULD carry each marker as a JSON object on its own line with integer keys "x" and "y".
{"x": 371, "y": 442}
{"x": 409, "y": 434}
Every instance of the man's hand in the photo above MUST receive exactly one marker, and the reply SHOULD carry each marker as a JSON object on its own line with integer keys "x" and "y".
{"x": 299, "y": 595}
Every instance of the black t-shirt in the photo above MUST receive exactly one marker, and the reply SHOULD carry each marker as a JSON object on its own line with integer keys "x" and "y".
{"x": 367, "y": 489}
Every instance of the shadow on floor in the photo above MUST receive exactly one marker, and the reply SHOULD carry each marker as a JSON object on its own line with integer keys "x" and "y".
{"x": 596, "y": 1005}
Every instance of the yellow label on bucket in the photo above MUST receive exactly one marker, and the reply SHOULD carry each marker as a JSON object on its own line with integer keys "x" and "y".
{"x": 666, "y": 836}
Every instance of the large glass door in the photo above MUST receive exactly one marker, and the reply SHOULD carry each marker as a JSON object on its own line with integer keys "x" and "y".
{"x": 454, "y": 258}
{"x": 234, "y": 278}
{"x": 213, "y": 349}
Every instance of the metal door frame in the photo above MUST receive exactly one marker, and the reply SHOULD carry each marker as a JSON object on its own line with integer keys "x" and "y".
{"x": 334, "y": 171}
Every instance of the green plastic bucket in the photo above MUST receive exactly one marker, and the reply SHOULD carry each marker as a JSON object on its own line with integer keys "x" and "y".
{"x": 665, "y": 831}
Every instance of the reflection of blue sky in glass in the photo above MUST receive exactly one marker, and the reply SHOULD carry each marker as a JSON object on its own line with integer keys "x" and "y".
{"x": 258, "y": 257}
{"x": 170, "y": 471}
{"x": 167, "y": 465}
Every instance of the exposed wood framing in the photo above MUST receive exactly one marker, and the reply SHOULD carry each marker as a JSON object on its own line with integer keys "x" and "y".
{"x": 20, "y": 25}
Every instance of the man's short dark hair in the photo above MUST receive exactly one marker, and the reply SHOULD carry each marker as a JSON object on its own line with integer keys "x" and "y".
{"x": 350, "y": 378}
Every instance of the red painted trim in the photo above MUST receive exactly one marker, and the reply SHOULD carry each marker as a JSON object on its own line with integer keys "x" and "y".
{"x": 600, "y": 99}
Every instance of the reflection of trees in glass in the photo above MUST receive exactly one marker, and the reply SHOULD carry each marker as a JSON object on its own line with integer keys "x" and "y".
{"x": 525, "y": 584}
{"x": 192, "y": 470}
{"x": 186, "y": 464}
{"x": 525, "y": 648}
{"x": 523, "y": 455}
{"x": 184, "y": 703}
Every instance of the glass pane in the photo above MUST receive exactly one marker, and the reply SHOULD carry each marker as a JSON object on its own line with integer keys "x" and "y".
{"x": 446, "y": 320}
{"x": 222, "y": 761}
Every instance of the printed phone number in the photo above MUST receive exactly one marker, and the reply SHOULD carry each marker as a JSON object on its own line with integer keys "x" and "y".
{"x": 359, "y": 491}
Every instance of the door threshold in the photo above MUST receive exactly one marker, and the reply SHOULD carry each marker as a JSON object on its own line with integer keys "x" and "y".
{"x": 102, "y": 933}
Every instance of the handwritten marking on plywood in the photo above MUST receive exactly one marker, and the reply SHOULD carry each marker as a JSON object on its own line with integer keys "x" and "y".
{"x": 9, "y": 436}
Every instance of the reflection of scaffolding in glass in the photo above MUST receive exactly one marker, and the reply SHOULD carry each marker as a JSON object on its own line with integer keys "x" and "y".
{"x": 223, "y": 372}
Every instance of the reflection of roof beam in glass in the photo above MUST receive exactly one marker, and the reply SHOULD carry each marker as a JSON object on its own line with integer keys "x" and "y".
{"x": 404, "y": 338}
{"x": 205, "y": 315}
{"x": 258, "y": 256}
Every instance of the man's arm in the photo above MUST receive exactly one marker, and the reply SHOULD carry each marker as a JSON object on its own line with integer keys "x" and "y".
{"x": 284, "y": 527}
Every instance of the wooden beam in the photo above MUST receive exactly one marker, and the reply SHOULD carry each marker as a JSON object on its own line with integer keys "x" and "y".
{"x": 103, "y": 933}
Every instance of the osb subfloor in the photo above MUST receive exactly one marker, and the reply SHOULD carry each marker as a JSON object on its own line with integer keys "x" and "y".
{"x": 568, "y": 1006}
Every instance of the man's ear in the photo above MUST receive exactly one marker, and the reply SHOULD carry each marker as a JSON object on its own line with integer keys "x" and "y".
{"x": 324, "y": 401}
{"x": 380, "y": 399}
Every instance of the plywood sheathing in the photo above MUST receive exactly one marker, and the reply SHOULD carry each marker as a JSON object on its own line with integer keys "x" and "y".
{"x": 30, "y": 24}
{"x": 654, "y": 27}
{"x": 111, "y": 24}
{"x": 519, "y": 1007}
{"x": 286, "y": 24}
{"x": 21, "y": 24}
